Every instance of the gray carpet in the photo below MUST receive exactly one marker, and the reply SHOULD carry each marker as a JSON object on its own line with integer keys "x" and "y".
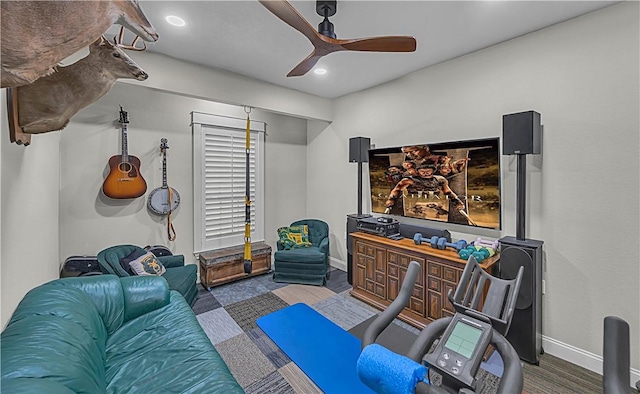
{"x": 228, "y": 313}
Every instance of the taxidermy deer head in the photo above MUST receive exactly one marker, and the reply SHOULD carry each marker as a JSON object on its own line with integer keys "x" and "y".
{"x": 37, "y": 35}
{"x": 49, "y": 103}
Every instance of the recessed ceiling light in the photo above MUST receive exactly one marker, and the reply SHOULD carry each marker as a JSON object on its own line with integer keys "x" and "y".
{"x": 320, "y": 71}
{"x": 175, "y": 20}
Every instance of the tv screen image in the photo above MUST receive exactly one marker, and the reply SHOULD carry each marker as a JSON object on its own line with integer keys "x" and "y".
{"x": 454, "y": 182}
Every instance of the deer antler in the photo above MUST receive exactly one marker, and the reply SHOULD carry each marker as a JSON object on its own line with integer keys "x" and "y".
{"x": 118, "y": 42}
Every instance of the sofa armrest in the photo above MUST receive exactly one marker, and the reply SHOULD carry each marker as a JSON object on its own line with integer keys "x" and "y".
{"x": 143, "y": 294}
{"x": 172, "y": 261}
{"x": 324, "y": 245}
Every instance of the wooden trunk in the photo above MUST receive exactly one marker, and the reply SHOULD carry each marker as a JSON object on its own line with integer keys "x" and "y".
{"x": 227, "y": 264}
{"x": 379, "y": 267}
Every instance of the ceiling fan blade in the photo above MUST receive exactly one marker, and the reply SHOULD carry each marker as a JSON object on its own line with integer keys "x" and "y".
{"x": 305, "y": 65}
{"x": 289, "y": 15}
{"x": 380, "y": 44}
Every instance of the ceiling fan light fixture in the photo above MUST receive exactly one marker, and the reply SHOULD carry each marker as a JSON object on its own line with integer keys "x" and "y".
{"x": 320, "y": 71}
{"x": 175, "y": 20}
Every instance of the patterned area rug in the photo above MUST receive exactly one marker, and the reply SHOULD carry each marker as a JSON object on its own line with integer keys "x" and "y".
{"x": 228, "y": 313}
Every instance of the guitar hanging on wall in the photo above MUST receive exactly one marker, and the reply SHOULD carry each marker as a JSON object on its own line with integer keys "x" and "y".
{"x": 124, "y": 179}
{"x": 164, "y": 199}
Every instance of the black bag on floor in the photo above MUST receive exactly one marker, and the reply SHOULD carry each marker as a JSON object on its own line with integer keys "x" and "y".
{"x": 80, "y": 266}
{"x": 158, "y": 250}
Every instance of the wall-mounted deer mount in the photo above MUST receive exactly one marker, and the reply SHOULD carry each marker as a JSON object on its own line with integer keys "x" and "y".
{"x": 49, "y": 103}
{"x": 37, "y": 35}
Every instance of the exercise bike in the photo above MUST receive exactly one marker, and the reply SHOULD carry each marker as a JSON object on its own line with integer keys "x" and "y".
{"x": 451, "y": 366}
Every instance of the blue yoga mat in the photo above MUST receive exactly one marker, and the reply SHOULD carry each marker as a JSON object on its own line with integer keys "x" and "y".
{"x": 325, "y": 352}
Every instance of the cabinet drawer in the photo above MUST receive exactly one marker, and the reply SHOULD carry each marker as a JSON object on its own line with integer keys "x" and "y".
{"x": 417, "y": 305}
{"x": 434, "y": 284}
{"x": 450, "y": 274}
{"x": 366, "y": 249}
{"x": 434, "y": 269}
{"x": 392, "y": 270}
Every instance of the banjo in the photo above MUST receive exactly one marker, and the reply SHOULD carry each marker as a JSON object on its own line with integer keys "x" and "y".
{"x": 163, "y": 200}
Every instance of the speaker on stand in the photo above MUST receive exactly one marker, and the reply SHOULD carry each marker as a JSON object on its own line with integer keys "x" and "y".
{"x": 525, "y": 333}
{"x": 358, "y": 153}
{"x": 522, "y": 135}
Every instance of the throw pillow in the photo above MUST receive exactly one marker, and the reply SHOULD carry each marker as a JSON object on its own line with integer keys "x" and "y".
{"x": 147, "y": 264}
{"x": 124, "y": 262}
{"x": 294, "y": 236}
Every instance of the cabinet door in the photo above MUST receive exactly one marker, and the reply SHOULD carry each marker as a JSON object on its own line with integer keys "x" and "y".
{"x": 370, "y": 269}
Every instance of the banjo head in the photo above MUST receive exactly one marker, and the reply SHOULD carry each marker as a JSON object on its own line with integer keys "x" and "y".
{"x": 159, "y": 200}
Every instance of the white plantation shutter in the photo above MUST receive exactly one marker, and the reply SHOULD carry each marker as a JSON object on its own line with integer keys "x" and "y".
{"x": 219, "y": 181}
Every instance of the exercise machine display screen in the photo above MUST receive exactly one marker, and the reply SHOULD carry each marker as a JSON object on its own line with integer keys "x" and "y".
{"x": 458, "y": 354}
{"x": 463, "y": 339}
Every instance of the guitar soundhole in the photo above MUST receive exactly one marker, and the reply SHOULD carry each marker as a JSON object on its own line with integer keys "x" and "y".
{"x": 125, "y": 167}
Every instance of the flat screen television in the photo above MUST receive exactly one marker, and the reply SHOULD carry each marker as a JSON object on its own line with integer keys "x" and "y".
{"x": 453, "y": 182}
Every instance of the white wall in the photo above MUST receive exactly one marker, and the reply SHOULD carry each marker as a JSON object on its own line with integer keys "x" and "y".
{"x": 90, "y": 222}
{"x": 582, "y": 76}
{"x": 52, "y": 205}
{"x": 29, "y": 210}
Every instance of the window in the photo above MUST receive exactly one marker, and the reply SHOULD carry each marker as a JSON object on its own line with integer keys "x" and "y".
{"x": 219, "y": 181}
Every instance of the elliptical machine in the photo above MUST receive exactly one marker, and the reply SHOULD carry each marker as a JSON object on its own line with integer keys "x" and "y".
{"x": 453, "y": 363}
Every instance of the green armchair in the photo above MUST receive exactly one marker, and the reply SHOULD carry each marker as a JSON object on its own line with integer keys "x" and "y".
{"x": 305, "y": 265}
{"x": 179, "y": 276}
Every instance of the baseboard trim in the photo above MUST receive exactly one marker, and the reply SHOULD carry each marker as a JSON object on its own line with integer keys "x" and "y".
{"x": 339, "y": 264}
{"x": 582, "y": 358}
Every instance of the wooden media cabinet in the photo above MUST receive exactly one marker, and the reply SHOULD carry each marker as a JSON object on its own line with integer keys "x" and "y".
{"x": 379, "y": 267}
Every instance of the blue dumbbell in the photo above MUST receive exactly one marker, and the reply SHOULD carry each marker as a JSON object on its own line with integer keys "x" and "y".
{"x": 418, "y": 239}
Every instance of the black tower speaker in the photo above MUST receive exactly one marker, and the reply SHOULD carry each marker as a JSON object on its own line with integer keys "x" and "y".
{"x": 525, "y": 333}
{"x": 359, "y": 149}
{"x": 352, "y": 227}
{"x": 521, "y": 133}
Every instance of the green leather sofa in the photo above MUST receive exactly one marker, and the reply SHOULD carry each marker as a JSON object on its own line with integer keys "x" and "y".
{"x": 104, "y": 334}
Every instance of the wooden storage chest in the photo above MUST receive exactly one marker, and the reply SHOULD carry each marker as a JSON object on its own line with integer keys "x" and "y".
{"x": 226, "y": 265}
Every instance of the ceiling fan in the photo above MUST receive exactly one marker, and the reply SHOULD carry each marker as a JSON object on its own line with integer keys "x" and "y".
{"x": 324, "y": 40}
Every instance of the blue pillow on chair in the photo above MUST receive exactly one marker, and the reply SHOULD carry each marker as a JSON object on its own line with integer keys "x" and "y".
{"x": 124, "y": 262}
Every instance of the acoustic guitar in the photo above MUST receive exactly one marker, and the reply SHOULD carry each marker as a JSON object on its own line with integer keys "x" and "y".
{"x": 124, "y": 179}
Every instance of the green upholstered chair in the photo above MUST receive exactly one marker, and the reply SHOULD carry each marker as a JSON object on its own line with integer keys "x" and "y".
{"x": 179, "y": 276}
{"x": 304, "y": 265}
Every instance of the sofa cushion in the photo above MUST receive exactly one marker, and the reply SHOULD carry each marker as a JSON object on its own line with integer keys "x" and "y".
{"x": 30, "y": 386}
{"x": 104, "y": 291}
{"x": 170, "y": 342}
{"x": 310, "y": 254}
{"x": 143, "y": 294}
{"x": 67, "y": 303}
{"x": 58, "y": 350}
{"x": 147, "y": 264}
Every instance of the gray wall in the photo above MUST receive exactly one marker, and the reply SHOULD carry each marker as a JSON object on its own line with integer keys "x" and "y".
{"x": 582, "y": 76}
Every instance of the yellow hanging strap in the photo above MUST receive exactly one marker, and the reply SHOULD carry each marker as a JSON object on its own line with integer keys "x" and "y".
{"x": 247, "y": 217}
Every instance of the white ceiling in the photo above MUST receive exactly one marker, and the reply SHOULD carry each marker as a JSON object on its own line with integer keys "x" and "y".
{"x": 245, "y": 38}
